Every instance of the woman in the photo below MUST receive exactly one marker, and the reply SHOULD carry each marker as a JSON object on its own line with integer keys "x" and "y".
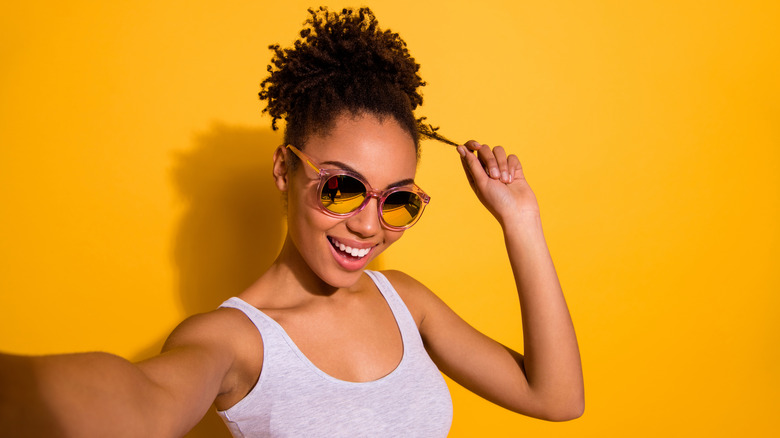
{"x": 318, "y": 346}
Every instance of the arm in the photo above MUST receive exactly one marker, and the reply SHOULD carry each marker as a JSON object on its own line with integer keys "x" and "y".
{"x": 99, "y": 394}
{"x": 546, "y": 382}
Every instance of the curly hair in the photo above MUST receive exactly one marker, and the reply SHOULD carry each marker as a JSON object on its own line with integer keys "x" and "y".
{"x": 343, "y": 62}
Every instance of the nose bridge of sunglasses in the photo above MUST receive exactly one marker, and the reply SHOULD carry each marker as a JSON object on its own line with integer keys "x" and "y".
{"x": 377, "y": 194}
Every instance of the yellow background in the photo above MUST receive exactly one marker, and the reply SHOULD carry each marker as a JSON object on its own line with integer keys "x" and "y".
{"x": 135, "y": 189}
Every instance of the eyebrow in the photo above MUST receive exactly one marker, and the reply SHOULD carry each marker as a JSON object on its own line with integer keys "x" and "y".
{"x": 400, "y": 183}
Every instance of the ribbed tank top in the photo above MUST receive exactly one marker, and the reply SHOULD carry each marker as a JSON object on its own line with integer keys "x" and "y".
{"x": 294, "y": 398}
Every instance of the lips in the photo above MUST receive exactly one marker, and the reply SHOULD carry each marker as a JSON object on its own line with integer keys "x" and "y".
{"x": 344, "y": 258}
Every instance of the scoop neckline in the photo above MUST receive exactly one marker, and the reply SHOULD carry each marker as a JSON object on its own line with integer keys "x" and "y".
{"x": 317, "y": 370}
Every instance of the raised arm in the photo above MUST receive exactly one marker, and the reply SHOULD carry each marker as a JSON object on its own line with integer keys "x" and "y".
{"x": 99, "y": 394}
{"x": 546, "y": 381}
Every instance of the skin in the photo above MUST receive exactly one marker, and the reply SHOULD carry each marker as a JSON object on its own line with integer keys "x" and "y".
{"x": 335, "y": 315}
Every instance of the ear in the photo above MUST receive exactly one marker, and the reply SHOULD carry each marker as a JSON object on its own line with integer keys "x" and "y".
{"x": 280, "y": 168}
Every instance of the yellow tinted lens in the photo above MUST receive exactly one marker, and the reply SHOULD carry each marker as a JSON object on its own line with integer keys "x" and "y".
{"x": 401, "y": 208}
{"x": 342, "y": 194}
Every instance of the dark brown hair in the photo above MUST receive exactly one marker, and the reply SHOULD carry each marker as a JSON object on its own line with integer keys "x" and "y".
{"x": 342, "y": 63}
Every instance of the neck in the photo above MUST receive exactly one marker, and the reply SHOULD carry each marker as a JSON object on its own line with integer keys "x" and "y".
{"x": 291, "y": 272}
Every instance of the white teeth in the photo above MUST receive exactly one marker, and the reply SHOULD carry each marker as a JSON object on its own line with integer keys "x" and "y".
{"x": 354, "y": 252}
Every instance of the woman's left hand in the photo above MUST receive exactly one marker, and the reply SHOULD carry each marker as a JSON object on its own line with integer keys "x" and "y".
{"x": 498, "y": 181}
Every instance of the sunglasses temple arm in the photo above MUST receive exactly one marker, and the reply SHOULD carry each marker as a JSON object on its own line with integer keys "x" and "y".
{"x": 303, "y": 157}
{"x": 316, "y": 169}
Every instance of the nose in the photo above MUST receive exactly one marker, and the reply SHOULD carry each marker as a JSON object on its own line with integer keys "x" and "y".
{"x": 366, "y": 222}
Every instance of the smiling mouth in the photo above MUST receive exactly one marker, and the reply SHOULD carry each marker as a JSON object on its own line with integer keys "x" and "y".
{"x": 356, "y": 253}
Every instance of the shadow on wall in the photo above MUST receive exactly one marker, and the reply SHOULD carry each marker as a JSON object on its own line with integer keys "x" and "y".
{"x": 232, "y": 227}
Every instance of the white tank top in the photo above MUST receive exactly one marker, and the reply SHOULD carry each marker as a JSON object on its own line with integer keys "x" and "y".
{"x": 294, "y": 398}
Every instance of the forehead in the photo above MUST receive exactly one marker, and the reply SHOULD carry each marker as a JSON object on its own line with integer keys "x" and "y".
{"x": 380, "y": 149}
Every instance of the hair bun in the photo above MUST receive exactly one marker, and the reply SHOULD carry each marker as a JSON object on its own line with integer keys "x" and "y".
{"x": 341, "y": 51}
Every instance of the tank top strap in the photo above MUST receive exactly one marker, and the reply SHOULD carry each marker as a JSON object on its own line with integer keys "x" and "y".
{"x": 404, "y": 318}
{"x": 263, "y": 322}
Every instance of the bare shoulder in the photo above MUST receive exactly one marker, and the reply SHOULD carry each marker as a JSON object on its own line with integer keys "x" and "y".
{"x": 420, "y": 300}
{"x": 223, "y": 328}
{"x": 230, "y": 336}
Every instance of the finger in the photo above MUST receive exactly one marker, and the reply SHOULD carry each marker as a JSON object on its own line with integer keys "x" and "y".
{"x": 463, "y": 162}
{"x": 514, "y": 167}
{"x": 503, "y": 169}
{"x": 489, "y": 162}
{"x": 474, "y": 169}
{"x": 472, "y": 145}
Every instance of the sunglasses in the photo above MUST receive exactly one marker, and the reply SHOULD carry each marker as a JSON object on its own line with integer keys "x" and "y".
{"x": 343, "y": 193}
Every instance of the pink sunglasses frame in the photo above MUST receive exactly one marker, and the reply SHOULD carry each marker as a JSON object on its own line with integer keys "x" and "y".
{"x": 380, "y": 195}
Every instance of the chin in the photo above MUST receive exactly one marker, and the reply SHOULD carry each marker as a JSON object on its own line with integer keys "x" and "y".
{"x": 344, "y": 280}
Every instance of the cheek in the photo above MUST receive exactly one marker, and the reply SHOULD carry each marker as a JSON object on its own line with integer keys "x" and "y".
{"x": 392, "y": 236}
{"x": 299, "y": 199}
{"x": 303, "y": 213}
